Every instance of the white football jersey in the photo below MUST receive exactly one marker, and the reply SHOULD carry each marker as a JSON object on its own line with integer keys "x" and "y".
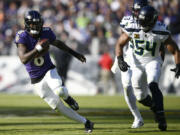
{"x": 146, "y": 45}
{"x": 127, "y": 21}
{"x": 127, "y": 50}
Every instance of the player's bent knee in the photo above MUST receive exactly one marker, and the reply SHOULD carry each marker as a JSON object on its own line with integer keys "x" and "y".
{"x": 62, "y": 92}
{"x": 140, "y": 97}
{"x": 146, "y": 101}
{"x": 52, "y": 101}
{"x": 153, "y": 86}
{"x": 139, "y": 94}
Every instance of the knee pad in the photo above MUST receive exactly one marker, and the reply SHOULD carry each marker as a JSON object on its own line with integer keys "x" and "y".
{"x": 62, "y": 92}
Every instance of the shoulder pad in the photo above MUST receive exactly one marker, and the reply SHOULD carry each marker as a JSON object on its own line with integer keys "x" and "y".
{"x": 20, "y": 32}
{"x": 161, "y": 29}
{"x": 126, "y": 20}
{"x": 20, "y": 35}
{"x": 46, "y": 28}
{"x": 129, "y": 17}
{"x": 132, "y": 25}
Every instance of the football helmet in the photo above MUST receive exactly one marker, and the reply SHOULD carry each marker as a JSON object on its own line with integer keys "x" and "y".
{"x": 137, "y": 5}
{"x": 33, "y": 22}
{"x": 147, "y": 18}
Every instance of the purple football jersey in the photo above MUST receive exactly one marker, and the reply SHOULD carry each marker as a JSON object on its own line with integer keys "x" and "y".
{"x": 38, "y": 66}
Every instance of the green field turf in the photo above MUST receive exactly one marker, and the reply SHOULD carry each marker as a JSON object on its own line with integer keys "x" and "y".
{"x": 29, "y": 115}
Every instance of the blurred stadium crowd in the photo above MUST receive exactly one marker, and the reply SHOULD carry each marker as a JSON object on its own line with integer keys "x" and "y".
{"x": 86, "y": 25}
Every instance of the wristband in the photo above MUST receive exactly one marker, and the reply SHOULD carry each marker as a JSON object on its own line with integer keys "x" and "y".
{"x": 39, "y": 48}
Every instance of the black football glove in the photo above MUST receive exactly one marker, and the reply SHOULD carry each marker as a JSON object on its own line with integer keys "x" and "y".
{"x": 176, "y": 70}
{"x": 122, "y": 64}
{"x": 80, "y": 57}
{"x": 77, "y": 55}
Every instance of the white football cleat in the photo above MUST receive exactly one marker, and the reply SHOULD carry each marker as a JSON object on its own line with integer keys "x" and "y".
{"x": 137, "y": 124}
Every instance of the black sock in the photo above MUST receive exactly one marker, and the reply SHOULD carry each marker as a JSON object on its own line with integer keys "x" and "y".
{"x": 147, "y": 101}
{"x": 157, "y": 97}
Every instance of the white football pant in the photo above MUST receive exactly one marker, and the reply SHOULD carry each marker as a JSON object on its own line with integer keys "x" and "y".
{"x": 128, "y": 91}
{"x": 129, "y": 94}
{"x": 50, "y": 89}
{"x": 144, "y": 75}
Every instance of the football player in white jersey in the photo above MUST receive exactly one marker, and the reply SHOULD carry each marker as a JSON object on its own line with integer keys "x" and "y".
{"x": 126, "y": 76}
{"x": 145, "y": 60}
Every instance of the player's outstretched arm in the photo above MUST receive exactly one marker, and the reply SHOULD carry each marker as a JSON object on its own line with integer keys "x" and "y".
{"x": 122, "y": 41}
{"x": 61, "y": 45}
{"x": 173, "y": 48}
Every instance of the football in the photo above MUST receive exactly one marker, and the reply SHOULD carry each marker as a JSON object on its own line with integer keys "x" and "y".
{"x": 45, "y": 45}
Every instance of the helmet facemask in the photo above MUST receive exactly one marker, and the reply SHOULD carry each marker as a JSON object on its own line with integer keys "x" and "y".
{"x": 147, "y": 18}
{"x": 137, "y": 5}
{"x": 135, "y": 11}
{"x": 33, "y": 23}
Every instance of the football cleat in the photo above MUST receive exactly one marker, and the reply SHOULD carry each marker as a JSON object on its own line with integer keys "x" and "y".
{"x": 72, "y": 103}
{"x": 137, "y": 124}
{"x": 162, "y": 125}
{"x": 89, "y": 126}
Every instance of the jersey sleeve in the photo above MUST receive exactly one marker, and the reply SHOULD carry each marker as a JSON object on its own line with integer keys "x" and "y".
{"x": 129, "y": 29}
{"x": 125, "y": 21}
{"x": 20, "y": 37}
{"x": 162, "y": 31}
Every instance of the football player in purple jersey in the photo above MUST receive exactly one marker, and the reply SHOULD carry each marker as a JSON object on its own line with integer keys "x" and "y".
{"x": 35, "y": 56}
